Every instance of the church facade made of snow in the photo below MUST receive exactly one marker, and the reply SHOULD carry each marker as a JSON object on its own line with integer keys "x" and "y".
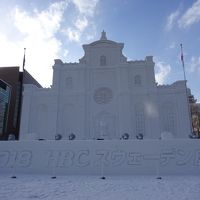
{"x": 104, "y": 96}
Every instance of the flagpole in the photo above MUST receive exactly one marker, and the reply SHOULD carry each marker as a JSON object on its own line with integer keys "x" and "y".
{"x": 183, "y": 64}
{"x": 186, "y": 91}
{"x": 24, "y": 60}
{"x": 21, "y": 80}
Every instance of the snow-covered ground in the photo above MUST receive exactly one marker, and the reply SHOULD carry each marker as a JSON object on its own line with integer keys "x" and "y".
{"x": 92, "y": 187}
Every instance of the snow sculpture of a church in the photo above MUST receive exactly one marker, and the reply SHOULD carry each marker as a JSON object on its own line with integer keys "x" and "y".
{"x": 104, "y": 96}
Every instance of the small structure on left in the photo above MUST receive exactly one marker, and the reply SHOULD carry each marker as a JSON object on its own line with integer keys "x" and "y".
{"x": 11, "y": 79}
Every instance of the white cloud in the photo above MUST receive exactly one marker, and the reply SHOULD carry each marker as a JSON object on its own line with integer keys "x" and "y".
{"x": 191, "y": 16}
{"x": 73, "y": 34}
{"x": 65, "y": 53}
{"x": 171, "y": 20}
{"x": 40, "y": 41}
{"x": 43, "y": 24}
{"x": 37, "y": 30}
{"x": 81, "y": 23}
{"x": 194, "y": 65}
{"x": 84, "y": 19}
{"x": 11, "y": 53}
{"x": 162, "y": 71}
{"x": 86, "y": 7}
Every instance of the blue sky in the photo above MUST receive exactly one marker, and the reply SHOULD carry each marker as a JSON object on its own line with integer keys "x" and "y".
{"x": 52, "y": 29}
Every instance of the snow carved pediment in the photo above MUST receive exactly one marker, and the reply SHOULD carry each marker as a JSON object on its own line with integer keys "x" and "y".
{"x": 110, "y": 49}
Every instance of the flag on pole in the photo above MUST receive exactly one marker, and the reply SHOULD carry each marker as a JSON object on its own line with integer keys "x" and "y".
{"x": 182, "y": 60}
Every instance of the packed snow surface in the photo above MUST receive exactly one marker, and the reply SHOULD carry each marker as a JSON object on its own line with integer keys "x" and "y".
{"x": 92, "y": 187}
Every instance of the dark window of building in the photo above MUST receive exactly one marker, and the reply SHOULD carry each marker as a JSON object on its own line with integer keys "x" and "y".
{"x": 102, "y": 60}
{"x": 16, "y": 105}
{"x": 4, "y": 104}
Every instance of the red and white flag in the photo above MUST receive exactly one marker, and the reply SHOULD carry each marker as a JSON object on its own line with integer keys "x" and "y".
{"x": 182, "y": 59}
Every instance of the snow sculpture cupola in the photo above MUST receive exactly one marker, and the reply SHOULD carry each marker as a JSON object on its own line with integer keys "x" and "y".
{"x": 103, "y": 52}
{"x": 103, "y": 35}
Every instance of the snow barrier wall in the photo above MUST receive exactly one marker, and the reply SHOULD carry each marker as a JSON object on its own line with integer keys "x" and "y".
{"x": 101, "y": 157}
